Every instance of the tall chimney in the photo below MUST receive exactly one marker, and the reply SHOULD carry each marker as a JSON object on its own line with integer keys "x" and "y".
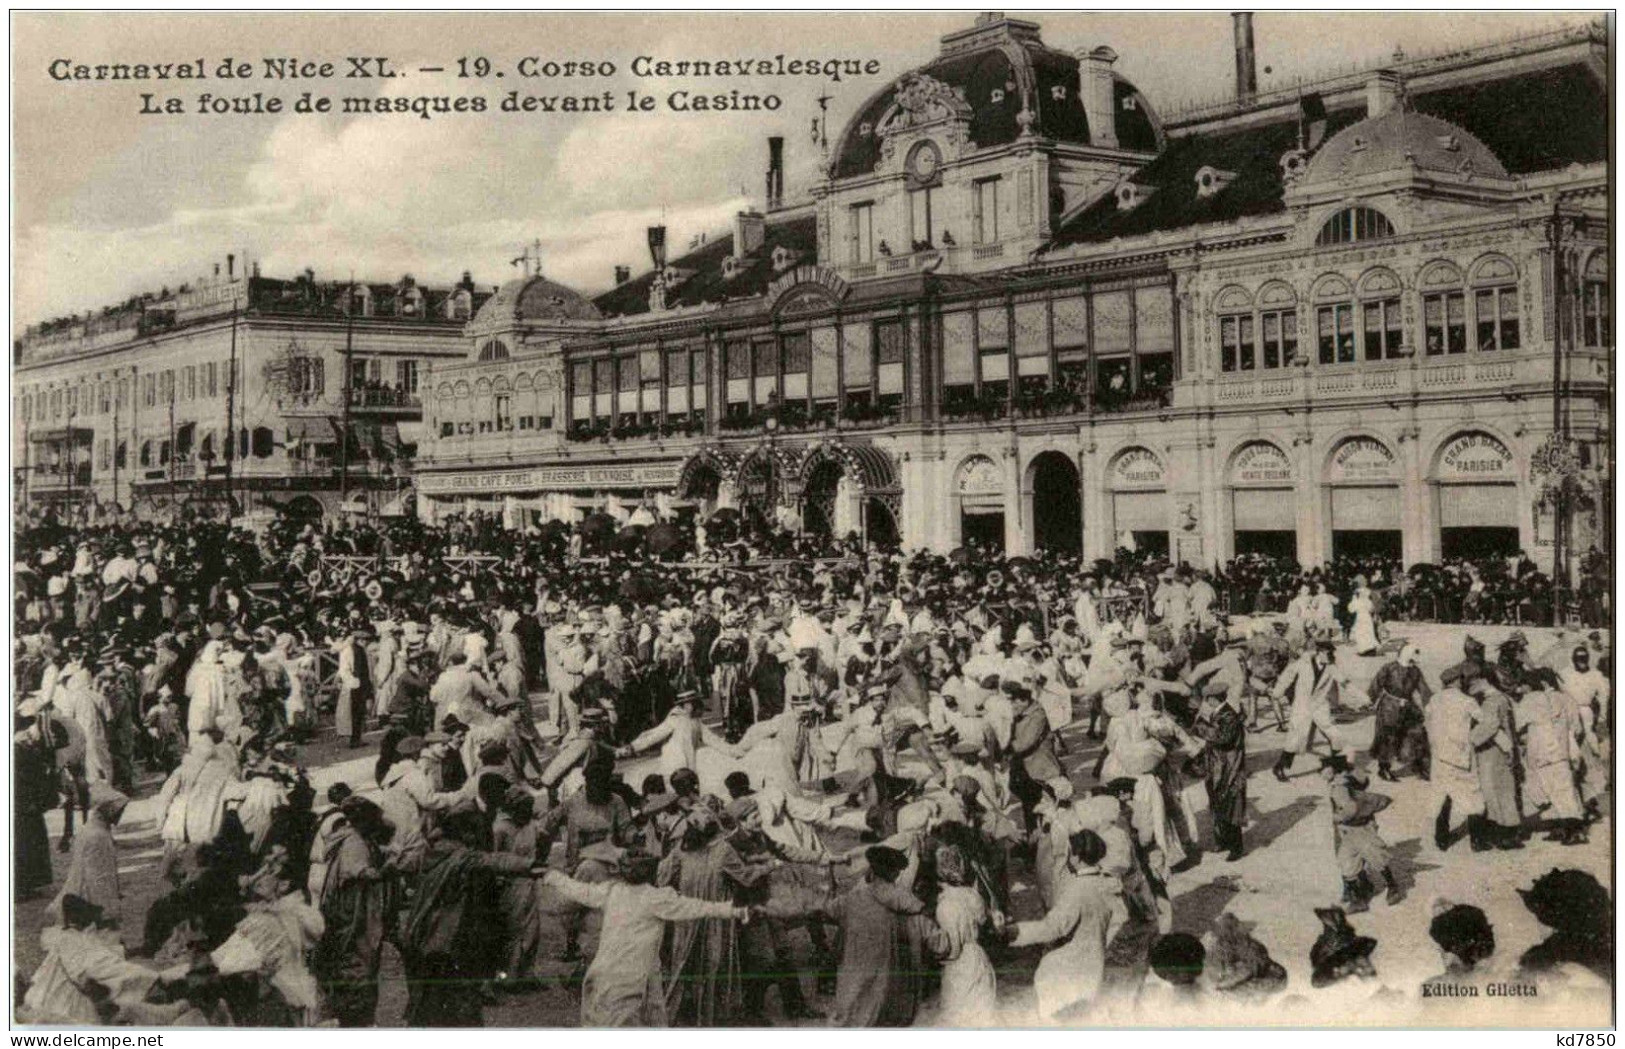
{"x": 750, "y": 230}
{"x": 1097, "y": 90}
{"x": 657, "y": 246}
{"x": 1246, "y": 59}
{"x": 775, "y": 171}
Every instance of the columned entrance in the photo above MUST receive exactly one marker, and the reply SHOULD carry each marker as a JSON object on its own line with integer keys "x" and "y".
{"x": 1052, "y": 488}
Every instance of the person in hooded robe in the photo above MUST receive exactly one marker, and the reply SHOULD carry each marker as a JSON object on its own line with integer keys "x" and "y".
{"x": 357, "y": 902}
{"x": 93, "y": 867}
{"x": 205, "y": 692}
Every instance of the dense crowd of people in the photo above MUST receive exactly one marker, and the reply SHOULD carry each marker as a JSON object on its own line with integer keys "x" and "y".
{"x": 856, "y": 754}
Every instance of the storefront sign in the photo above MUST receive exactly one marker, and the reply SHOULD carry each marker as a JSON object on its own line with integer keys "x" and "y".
{"x": 1137, "y": 468}
{"x": 1476, "y": 457}
{"x": 641, "y": 475}
{"x": 1263, "y": 464}
{"x": 1360, "y": 460}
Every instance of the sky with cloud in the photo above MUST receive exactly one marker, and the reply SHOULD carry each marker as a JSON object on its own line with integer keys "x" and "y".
{"x": 108, "y": 203}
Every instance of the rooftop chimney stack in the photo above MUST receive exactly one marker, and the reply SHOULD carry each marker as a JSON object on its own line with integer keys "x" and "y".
{"x": 657, "y": 247}
{"x": 622, "y": 275}
{"x": 1383, "y": 92}
{"x": 775, "y": 171}
{"x": 750, "y": 231}
{"x": 1097, "y": 90}
{"x": 1246, "y": 58}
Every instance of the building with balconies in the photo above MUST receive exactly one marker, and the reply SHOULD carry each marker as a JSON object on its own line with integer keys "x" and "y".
{"x": 235, "y": 385}
{"x": 1025, "y": 309}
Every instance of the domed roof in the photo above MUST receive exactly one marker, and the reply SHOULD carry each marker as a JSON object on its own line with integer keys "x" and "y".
{"x": 996, "y": 68}
{"x": 1397, "y": 139}
{"x": 536, "y": 299}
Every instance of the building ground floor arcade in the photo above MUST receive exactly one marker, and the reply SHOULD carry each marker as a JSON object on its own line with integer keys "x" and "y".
{"x": 1421, "y": 484}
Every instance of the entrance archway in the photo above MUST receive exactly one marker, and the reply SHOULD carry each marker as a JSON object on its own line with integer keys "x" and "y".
{"x": 818, "y": 498}
{"x": 1362, "y": 479}
{"x": 980, "y": 489}
{"x": 1475, "y": 483}
{"x": 1137, "y": 480}
{"x": 1057, "y": 505}
{"x": 879, "y": 523}
{"x": 759, "y": 488}
{"x": 1263, "y": 510}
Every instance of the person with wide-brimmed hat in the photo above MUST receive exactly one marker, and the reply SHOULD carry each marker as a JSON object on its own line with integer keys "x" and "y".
{"x": 1464, "y": 937}
{"x": 1311, "y": 680}
{"x": 1451, "y": 715}
{"x": 1339, "y": 953}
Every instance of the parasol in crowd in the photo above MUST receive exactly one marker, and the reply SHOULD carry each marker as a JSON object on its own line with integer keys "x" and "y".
{"x": 629, "y": 538}
{"x": 642, "y": 589}
{"x": 663, "y": 538}
{"x": 961, "y": 556}
{"x": 597, "y": 524}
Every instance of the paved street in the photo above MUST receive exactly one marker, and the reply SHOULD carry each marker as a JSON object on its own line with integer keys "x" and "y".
{"x": 1288, "y": 870}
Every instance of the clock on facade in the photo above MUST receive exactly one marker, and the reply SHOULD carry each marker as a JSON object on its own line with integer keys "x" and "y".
{"x": 924, "y": 161}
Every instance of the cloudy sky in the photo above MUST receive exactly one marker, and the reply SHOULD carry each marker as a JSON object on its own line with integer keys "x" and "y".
{"x": 108, "y": 203}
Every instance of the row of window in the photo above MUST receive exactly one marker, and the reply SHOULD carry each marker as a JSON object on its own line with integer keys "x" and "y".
{"x": 1373, "y": 329}
{"x": 926, "y": 229}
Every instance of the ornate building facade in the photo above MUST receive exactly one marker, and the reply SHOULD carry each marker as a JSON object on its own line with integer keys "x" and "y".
{"x": 134, "y": 407}
{"x": 1024, "y": 309}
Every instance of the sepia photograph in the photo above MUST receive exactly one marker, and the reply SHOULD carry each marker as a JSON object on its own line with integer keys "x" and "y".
{"x": 747, "y": 519}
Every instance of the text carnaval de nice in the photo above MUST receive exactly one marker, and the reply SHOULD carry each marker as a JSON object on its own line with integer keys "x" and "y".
{"x": 353, "y": 68}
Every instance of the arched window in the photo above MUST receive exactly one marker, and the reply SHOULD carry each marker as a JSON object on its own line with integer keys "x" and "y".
{"x": 1334, "y": 320}
{"x": 1382, "y": 324}
{"x": 1444, "y": 309}
{"x": 1594, "y": 305}
{"x": 1354, "y": 224}
{"x": 1237, "y": 339}
{"x": 1278, "y": 324}
{"x": 494, "y": 350}
{"x": 1495, "y": 304}
{"x": 146, "y": 453}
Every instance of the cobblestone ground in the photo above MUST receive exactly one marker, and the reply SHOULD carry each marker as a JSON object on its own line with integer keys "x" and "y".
{"x": 1288, "y": 870}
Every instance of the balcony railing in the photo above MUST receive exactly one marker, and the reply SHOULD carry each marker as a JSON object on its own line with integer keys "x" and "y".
{"x": 385, "y": 398}
{"x": 46, "y": 476}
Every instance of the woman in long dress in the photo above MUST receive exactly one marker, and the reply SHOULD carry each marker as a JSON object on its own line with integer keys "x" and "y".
{"x": 969, "y": 986}
{"x": 1088, "y": 907}
{"x": 623, "y": 987}
{"x": 1364, "y": 631}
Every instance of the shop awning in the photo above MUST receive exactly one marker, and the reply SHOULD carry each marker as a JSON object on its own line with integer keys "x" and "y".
{"x": 307, "y": 429}
{"x": 61, "y": 433}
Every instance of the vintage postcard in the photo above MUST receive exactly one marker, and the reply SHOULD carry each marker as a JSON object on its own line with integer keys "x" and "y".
{"x": 746, "y": 519}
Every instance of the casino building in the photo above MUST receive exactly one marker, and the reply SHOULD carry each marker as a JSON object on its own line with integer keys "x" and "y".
{"x": 1025, "y": 308}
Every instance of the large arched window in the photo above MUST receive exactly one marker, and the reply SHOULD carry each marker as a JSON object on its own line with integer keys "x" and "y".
{"x": 1334, "y": 320}
{"x": 1354, "y": 224}
{"x": 1495, "y": 304}
{"x": 1444, "y": 309}
{"x": 494, "y": 350}
{"x": 1594, "y": 301}
{"x": 1237, "y": 339}
{"x": 1382, "y": 324}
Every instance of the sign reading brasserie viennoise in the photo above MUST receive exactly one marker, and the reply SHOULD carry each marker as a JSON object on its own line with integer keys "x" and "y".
{"x": 1363, "y": 459}
{"x": 1476, "y": 457}
{"x": 1261, "y": 463}
{"x": 642, "y": 475}
{"x": 1137, "y": 468}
